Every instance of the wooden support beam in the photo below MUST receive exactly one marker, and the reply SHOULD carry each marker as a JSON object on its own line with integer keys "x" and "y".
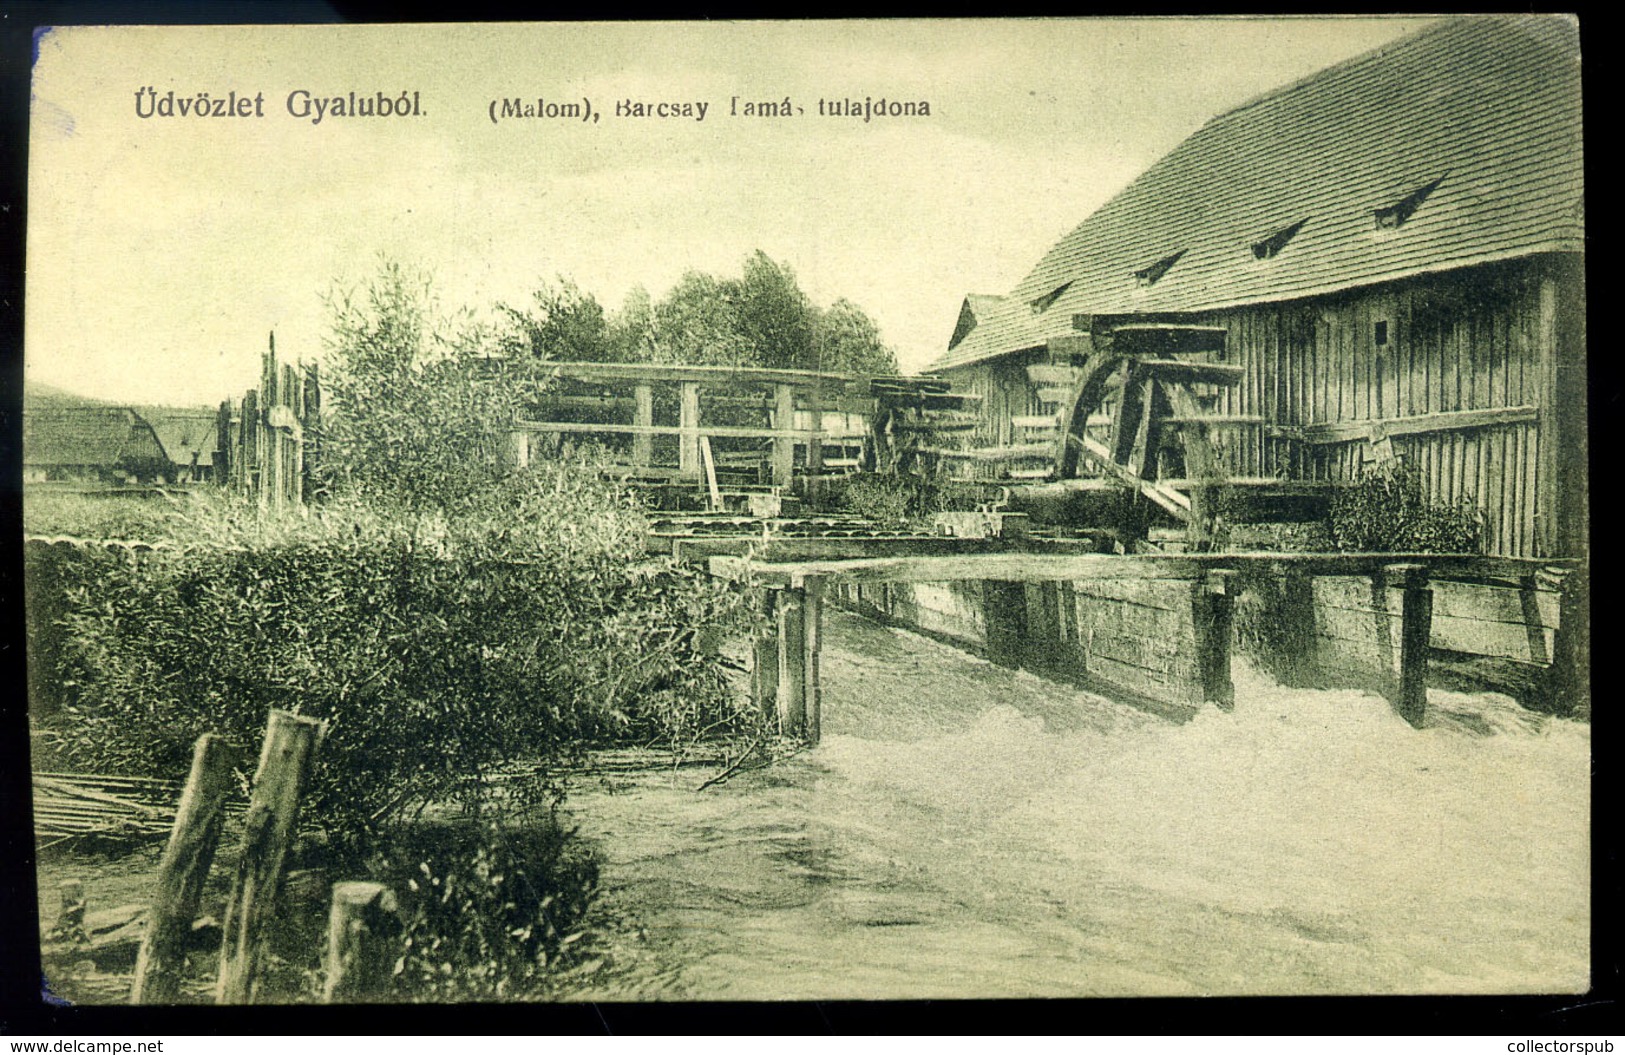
{"x": 813, "y": 694}
{"x": 1416, "y": 623}
{"x": 1171, "y": 501}
{"x": 792, "y": 694}
{"x": 764, "y": 668}
{"x": 784, "y": 444}
{"x": 286, "y": 759}
{"x": 714, "y": 492}
{"x": 362, "y": 935}
{"x": 643, "y": 416}
{"x": 1004, "y": 608}
{"x": 624, "y": 373}
{"x": 1042, "y": 567}
{"x": 1213, "y": 600}
{"x": 182, "y": 872}
{"x": 1388, "y": 428}
{"x": 688, "y": 425}
{"x": 714, "y": 431}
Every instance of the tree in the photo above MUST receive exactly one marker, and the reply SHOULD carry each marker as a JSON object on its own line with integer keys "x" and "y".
{"x": 562, "y": 324}
{"x": 698, "y": 322}
{"x": 420, "y": 417}
{"x": 775, "y": 317}
{"x": 850, "y": 342}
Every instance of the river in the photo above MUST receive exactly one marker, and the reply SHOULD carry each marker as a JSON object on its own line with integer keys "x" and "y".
{"x": 969, "y": 831}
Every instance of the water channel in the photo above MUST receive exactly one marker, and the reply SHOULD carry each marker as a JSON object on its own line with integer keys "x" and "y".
{"x": 969, "y": 831}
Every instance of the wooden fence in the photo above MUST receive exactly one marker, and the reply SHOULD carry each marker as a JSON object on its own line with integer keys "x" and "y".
{"x": 267, "y": 445}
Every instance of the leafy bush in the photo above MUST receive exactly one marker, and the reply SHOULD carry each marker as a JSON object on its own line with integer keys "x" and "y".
{"x": 440, "y": 650}
{"x": 1388, "y": 510}
{"x": 487, "y": 911}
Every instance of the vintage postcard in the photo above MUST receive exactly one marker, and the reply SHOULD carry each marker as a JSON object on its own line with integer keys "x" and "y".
{"x": 867, "y": 510}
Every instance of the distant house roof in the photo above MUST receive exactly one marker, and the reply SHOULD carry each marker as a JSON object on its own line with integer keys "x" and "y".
{"x": 89, "y": 436}
{"x": 185, "y": 434}
{"x": 1455, "y": 146}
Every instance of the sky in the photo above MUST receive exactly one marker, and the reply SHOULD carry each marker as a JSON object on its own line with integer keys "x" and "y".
{"x": 163, "y": 249}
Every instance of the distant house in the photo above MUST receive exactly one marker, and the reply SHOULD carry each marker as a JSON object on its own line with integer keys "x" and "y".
{"x": 1395, "y": 248}
{"x": 93, "y": 444}
{"x": 188, "y": 437}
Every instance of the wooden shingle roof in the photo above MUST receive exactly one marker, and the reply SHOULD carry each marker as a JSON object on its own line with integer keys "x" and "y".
{"x": 1467, "y": 134}
{"x": 89, "y": 436}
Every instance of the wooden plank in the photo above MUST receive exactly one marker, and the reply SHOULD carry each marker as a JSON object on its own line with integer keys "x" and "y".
{"x": 1176, "y": 504}
{"x": 1036, "y": 421}
{"x": 183, "y": 871}
{"x": 284, "y": 769}
{"x": 718, "y": 375}
{"x": 1212, "y": 612}
{"x": 1520, "y": 642}
{"x": 1345, "y": 432}
{"x": 1036, "y": 567}
{"x": 1157, "y": 686}
{"x": 1013, "y": 452}
{"x": 715, "y": 431}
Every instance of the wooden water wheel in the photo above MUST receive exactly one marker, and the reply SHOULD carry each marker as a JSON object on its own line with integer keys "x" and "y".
{"x": 1135, "y": 417}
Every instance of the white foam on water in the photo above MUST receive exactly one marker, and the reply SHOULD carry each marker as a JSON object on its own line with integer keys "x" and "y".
{"x": 965, "y": 830}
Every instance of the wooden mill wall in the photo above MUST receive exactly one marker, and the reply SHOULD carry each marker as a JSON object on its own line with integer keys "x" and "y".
{"x": 1498, "y": 337}
{"x": 1507, "y": 339}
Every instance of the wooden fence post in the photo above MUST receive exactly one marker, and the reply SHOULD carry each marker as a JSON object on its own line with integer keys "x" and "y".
{"x": 1214, "y": 598}
{"x": 284, "y": 769}
{"x": 361, "y": 938}
{"x": 792, "y": 694}
{"x": 764, "y": 674}
{"x": 813, "y": 620}
{"x": 182, "y": 872}
{"x": 1415, "y": 628}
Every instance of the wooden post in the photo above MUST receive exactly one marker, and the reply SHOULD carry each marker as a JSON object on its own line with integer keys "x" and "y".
{"x": 784, "y": 447}
{"x": 1213, "y": 604}
{"x": 222, "y": 444}
{"x": 792, "y": 694}
{"x": 713, "y": 492}
{"x": 285, "y": 764}
{"x": 643, "y": 415}
{"x": 1004, "y": 609}
{"x": 1416, "y": 626}
{"x": 764, "y": 674}
{"x": 361, "y": 936}
{"x": 813, "y": 620}
{"x": 688, "y": 421}
{"x": 249, "y": 433}
{"x": 182, "y": 872}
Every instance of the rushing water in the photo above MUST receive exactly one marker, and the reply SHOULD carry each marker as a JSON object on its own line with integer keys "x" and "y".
{"x": 968, "y": 831}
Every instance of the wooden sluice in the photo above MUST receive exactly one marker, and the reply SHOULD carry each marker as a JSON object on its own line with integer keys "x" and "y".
{"x": 1161, "y": 628}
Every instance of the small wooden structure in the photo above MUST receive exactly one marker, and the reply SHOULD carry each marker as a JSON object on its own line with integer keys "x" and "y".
{"x": 758, "y": 427}
{"x": 266, "y": 445}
